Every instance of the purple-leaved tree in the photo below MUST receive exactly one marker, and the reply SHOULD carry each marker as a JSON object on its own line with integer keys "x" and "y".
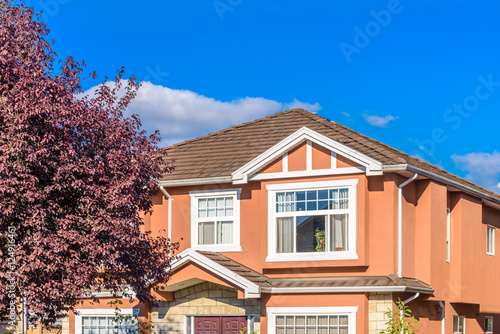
{"x": 75, "y": 174}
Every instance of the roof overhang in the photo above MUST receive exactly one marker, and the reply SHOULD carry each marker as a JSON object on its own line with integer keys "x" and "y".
{"x": 372, "y": 166}
{"x": 251, "y": 289}
{"x": 348, "y": 289}
{"x": 495, "y": 202}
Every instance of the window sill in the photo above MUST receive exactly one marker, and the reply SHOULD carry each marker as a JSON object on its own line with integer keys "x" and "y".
{"x": 311, "y": 257}
{"x": 218, "y": 248}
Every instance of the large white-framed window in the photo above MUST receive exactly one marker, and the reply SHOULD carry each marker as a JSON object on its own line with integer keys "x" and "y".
{"x": 102, "y": 321}
{"x": 312, "y": 221}
{"x": 311, "y": 320}
{"x": 490, "y": 240}
{"x": 215, "y": 220}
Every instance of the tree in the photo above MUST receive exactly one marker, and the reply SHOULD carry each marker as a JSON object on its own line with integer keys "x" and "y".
{"x": 74, "y": 176}
{"x": 400, "y": 321}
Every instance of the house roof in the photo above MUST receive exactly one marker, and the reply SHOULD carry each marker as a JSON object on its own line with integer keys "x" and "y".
{"x": 239, "y": 269}
{"x": 358, "y": 281}
{"x": 221, "y": 153}
{"x": 325, "y": 284}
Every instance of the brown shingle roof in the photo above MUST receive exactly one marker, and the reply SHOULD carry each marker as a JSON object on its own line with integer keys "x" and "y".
{"x": 236, "y": 267}
{"x": 313, "y": 282}
{"x": 221, "y": 153}
{"x": 358, "y": 281}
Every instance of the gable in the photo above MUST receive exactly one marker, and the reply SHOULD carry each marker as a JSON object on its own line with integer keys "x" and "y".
{"x": 305, "y": 153}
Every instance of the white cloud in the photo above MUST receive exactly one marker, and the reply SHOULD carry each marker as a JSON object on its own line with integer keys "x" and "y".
{"x": 183, "y": 114}
{"x": 481, "y": 168}
{"x": 379, "y": 121}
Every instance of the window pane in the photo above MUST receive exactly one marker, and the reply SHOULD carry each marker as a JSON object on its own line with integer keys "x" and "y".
{"x": 206, "y": 233}
{"x": 280, "y": 320}
{"x": 323, "y": 205}
{"x": 211, "y": 207}
{"x": 289, "y": 321}
{"x": 284, "y": 234}
{"x": 310, "y": 234}
{"x": 225, "y": 232}
{"x": 301, "y": 206}
{"x": 334, "y": 320}
{"x": 338, "y": 233}
{"x": 322, "y": 194}
{"x": 344, "y": 198}
{"x": 301, "y": 195}
{"x": 343, "y": 320}
{"x": 312, "y": 195}
{"x": 311, "y": 321}
{"x": 312, "y": 206}
{"x": 300, "y": 320}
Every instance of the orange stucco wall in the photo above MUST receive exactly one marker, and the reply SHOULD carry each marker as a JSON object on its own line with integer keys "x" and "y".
{"x": 465, "y": 284}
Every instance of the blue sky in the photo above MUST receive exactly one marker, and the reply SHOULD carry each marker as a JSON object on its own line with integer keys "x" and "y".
{"x": 422, "y": 76}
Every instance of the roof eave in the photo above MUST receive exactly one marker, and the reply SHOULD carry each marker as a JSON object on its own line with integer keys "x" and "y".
{"x": 351, "y": 289}
{"x": 442, "y": 179}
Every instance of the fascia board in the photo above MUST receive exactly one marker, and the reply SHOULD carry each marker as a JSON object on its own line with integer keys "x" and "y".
{"x": 251, "y": 289}
{"x": 373, "y": 167}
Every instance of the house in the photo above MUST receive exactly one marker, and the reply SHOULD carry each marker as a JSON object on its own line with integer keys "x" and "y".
{"x": 294, "y": 224}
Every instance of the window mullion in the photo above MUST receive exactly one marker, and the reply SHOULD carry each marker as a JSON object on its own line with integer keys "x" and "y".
{"x": 295, "y": 234}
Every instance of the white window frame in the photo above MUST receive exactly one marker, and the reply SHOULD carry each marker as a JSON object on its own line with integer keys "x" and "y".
{"x": 490, "y": 248}
{"x": 351, "y": 254}
{"x": 195, "y": 195}
{"x": 107, "y": 312}
{"x": 272, "y": 312}
{"x": 488, "y": 317}
{"x": 459, "y": 318}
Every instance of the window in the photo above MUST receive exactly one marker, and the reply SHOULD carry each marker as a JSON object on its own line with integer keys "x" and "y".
{"x": 459, "y": 324}
{"x": 104, "y": 325}
{"x": 490, "y": 240}
{"x": 313, "y": 220}
{"x": 448, "y": 235}
{"x": 488, "y": 324}
{"x": 101, "y": 321}
{"x": 312, "y": 320}
{"x": 215, "y": 220}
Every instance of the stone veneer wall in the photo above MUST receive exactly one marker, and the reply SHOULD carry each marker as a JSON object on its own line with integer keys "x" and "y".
{"x": 378, "y": 304}
{"x": 203, "y": 299}
{"x": 65, "y": 324}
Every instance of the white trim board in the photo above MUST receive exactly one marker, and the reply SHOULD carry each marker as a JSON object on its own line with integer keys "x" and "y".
{"x": 97, "y": 312}
{"x": 272, "y": 312}
{"x": 373, "y": 167}
{"x": 251, "y": 289}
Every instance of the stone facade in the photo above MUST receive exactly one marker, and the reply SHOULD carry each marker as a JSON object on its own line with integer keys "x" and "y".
{"x": 201, "y": 300}
{"x": 378, "y": 304}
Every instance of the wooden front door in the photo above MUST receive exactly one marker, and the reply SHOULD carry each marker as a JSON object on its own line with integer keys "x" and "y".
{"x": 219, "y": 325}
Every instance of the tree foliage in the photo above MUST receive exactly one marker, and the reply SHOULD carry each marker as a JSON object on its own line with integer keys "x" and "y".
{"x": 74, "y": 176}
{"x": 400, "y": 321}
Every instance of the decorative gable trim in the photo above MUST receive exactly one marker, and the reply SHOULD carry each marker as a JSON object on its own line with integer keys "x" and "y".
{"x": 251, "y": 289}
{"x": 304, "y": 134}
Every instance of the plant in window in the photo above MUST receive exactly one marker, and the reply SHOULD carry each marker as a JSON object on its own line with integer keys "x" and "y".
{"x": 320, "y": 240}
{"x": 400, "y": 321}
{"x": 128, "y": 324}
